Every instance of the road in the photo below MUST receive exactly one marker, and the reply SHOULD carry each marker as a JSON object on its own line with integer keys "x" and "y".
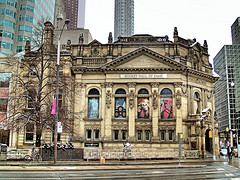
{"x": 216, "y": 170}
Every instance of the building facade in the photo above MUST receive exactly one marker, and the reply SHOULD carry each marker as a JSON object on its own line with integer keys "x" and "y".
{"x": 235, "y": 29}
{"x": 123, "y": 18}
{"x": 226, "y": 64}
{"x": 75, "y": 12}
{"x": 18, "y": 21}
{"x": 138, "y": 93}
{"x": 59, "y": 14}
{"x": 7, "y": 67}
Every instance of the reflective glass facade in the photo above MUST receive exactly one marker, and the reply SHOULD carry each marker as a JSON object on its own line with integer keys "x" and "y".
{"x": 18, "y": 20}
{"x": 123, "y": 18}
{"x": 226, "y": 65}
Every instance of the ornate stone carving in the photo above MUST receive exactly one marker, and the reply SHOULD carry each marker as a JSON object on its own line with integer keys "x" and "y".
{"x": 110, "y": 38}
{"x": 198, "y": 81}
{"x": 178, "y": 99}
{"x": 209, "y": 94}
{"x": 108, "y": 99}
{"x": 154, "y": 85}
{"x": 78, "y": 85}
{"x": 178, "y": 84}
{"x": 155, "y": 99}
{"x": 131, "y": 99}
{"x": 103, "y": 85}
{"x": 109, "y": 85}
{"x": 81, "y": 39}
{"x": 131, "y": 85}
{"x": 184, "y": 89}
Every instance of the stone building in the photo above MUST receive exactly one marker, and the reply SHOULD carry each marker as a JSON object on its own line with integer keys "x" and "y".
{"x": 138, "y": 93}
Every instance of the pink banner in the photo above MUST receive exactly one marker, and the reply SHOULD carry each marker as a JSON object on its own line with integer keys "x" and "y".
{"x": 54, "y": 107}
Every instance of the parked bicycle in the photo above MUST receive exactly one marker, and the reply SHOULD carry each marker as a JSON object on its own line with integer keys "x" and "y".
{"x": 32, "y": 156}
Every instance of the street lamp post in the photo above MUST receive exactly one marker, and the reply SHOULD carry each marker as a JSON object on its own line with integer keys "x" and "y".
{"x": 213, "y": 130}
{"x": 57, "y": 92}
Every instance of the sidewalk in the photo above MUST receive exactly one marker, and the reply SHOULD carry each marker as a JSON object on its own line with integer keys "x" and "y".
{"x": 95, "y": 166}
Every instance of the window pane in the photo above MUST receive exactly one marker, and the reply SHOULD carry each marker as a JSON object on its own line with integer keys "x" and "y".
{"x": 162, "y": 135}
{"x": 170, "y": 135}
{"x": 143, "y": 108}
{"x": 4, "y": 79}
{"x": 124, "y": 135}
{"x": 93, "y": 92}
{"x": 3, "y": 105}
{"x": 139, "y": 135}
{"x": 147, "y": 135}
{"x": 89, "y": 134}
{"x": 196, "y": 96}
{"x": 166, "y": 92}
{"x": 96, "y": 134}
{"x": 120, "y": 108}
{"x": 29, "y": 132}
{"x": 116, "y": 132}
{"x": 93, "y": 108}
{"x": 143, "y": 91}
{"x": 166, "y": 107}
{"x": 120, "y": 91}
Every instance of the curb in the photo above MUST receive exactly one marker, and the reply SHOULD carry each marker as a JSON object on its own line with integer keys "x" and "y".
{"x": 94, "y": 168}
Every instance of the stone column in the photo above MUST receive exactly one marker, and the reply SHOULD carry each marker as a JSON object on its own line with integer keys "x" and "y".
{"x": 178, "y": 109}
{"x": 103, "y": 86}
{"x": 132, "y": 110}
{"x": 108, "y": 111}
{"x": 155, "y": 111}
{"x": 79, "y": 109}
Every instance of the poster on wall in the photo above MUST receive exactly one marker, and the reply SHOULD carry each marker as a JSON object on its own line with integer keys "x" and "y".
{"x": 143, "y": 108}
{"x": 93, "y": 108}
{"x": 166, "y": 108}
{"x": 120, "y": 108}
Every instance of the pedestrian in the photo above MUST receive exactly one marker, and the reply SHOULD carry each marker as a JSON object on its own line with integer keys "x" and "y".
{"x": 229, "y": 149}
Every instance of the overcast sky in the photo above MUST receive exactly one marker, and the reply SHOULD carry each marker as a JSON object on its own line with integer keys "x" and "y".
{"x": 209, "y": 20}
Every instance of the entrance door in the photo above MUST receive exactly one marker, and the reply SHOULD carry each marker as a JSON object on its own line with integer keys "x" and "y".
{"x": 208, "y": 142}
{"x": 4, "y": 137}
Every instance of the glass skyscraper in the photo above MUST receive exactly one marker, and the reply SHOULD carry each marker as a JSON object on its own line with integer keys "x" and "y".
{"x": 235, "y": 29}
{"x": 227, "y": 88}
{"x": 123, "y": 18}
{"x": 19, "y": 21}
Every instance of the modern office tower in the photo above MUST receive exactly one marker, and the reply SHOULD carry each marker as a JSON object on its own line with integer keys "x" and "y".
{"x": 18, "y": 22}
{"x": 235, "y": 28}
{"x": 227, "y": 88}
{"x": 123, "y": 18}
{"x": 75, "y": 12}
{"x": 59, "y": 14}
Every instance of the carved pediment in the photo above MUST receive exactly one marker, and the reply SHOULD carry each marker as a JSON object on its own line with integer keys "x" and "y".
{"x": 143, "y": 58}
{"x": 143, "y": 61}
{"x": 95, "y": 43}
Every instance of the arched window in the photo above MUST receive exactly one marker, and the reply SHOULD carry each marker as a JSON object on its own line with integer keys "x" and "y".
{"x": 166, "y": 104}
{"x": 120, "y": 104}
{"x": 143, "y": 104}
{"x": 196, "y": 103}
{"x": 93, "y": 104}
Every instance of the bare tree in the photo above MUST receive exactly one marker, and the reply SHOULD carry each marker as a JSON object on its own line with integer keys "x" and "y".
{"x": 32, "y": 97}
